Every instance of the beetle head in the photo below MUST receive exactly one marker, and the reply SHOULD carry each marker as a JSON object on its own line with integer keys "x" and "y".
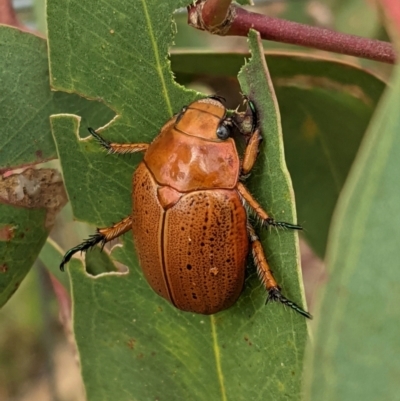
{"x": 205, "y": 118}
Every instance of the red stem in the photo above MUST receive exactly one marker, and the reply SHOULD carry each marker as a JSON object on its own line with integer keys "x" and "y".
{"x": 241, "y": 21}
{"x": 215, "y": 12}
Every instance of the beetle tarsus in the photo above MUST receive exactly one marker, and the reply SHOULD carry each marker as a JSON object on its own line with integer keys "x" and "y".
{"x": 89, "y": 243}
{"x": 271, "y": 222}
{"x": 275, "y": 295}
{"x": 100, "y": 139}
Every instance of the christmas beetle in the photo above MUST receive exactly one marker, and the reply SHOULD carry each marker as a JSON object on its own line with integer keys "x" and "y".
{"x": 189, "y": 221}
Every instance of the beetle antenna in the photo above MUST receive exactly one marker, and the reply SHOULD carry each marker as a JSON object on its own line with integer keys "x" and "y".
{"x": 86, "y": 245}
{"x": 274, "y": 294}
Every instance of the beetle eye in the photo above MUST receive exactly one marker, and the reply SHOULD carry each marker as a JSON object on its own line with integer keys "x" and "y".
{"x": 223, "y": 132}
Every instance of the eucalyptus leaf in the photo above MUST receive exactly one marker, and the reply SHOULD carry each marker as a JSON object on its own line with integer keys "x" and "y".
{"x": 22, "y": 235}
{"x": 132, "y": 343}
{"x": 356, "y": 350}
{"x": 27, "y": 100}
{"x": 29, "y": 203}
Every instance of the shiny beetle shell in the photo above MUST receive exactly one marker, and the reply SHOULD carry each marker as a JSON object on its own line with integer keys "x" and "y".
{"x": 189, "y": 224}
{"x": 190, "y": 227}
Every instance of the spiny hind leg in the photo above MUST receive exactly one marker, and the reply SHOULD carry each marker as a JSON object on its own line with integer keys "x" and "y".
{"x": 265, "y": 273}
{"x": 260, "y": 212}
{"x": 102, "y": 236}
{"x": 121, "y": 148}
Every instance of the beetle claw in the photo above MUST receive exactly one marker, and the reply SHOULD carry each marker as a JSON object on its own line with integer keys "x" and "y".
{"x": 275, "y": 295}
{"x": 86, "y": 245}
{"x": 100, "y": 139}
{"x": 271, "y": 222}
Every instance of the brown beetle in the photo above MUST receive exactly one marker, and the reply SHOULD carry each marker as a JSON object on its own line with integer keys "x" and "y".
{"x": 189, "y": 221}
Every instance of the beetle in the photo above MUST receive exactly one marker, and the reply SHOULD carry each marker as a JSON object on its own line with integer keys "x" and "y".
{"x": 190, "y": 226}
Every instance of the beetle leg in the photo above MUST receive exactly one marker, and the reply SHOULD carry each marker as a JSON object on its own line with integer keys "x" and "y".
{"x": 247, "y": 123}
{"x": 103, "y": 235}
{"x": 265, "y": 273}
{"x": 120, "y": 148}
{"x": 251, "y": 153}
{"x": 260, "y": 212}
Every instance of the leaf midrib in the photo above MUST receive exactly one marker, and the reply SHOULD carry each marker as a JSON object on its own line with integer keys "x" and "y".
{"x": 157, "y": 59}
{"x": 217, "y": 358}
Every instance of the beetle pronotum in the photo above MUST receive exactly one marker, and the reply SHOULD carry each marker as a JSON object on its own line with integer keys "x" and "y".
{"x": 189, "y": 220}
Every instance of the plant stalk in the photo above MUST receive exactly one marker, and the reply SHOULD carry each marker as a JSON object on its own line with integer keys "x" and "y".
{"x": 238, "y": 21}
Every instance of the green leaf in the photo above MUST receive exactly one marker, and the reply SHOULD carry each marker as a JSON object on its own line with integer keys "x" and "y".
{"x": 129, "y": 73}
{"x": 270, "y": 169}
{"x": 356, "y": 343}
{"x": 27, "y": 103}
{"x": 27, "y": 100}
{"x": 99, "y": 262}
{"x": 132, "y": 343}
{"x": 320, "y": 147}
{"x": 312, "y": 92}
{"x": 22, "y": 235}
{"x": 276, "y": 191}
{"x": 29, "y": 202}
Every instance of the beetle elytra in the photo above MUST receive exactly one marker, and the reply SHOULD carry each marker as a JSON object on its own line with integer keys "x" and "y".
{"x": 189, "y": 221}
